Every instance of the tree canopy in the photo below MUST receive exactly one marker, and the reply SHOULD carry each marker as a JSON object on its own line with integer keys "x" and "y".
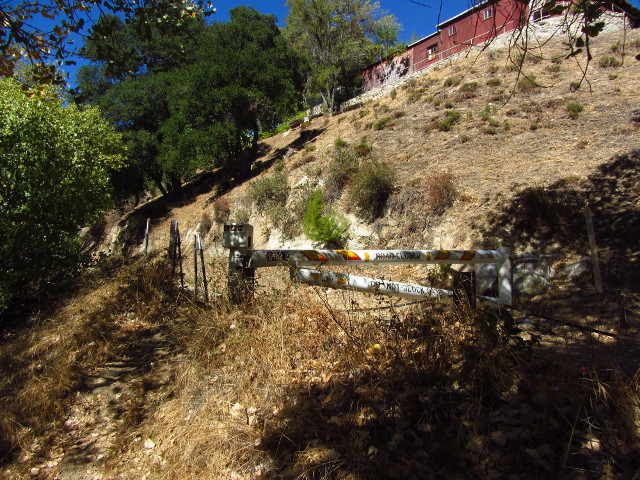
{"x": 196, "y": 101}
{"x": 54, "y": 179}
{"x": 341, "y": 37}
{"x": 242, "y": 78}
{"x": 49, "y": 48}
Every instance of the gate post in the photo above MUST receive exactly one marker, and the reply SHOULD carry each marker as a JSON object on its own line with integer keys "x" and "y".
{"x": 238, "y": 238}
{"x": 505, "y": 279}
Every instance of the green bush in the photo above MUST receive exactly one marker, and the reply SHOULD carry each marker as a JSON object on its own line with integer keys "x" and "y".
{"x": 54, "y": 179}
{"x": 340, "y": 143}
{"x": 269, "y": 195}
{"x": 468, "y": 87}
{"x": 371, "y": 186}
{"x": 383, "y": 123}
{"x": 494, "y": 82}
{"x": 527, "y": 84}
{"x": 610, "y": 62}
{"x": 574, "y": 109}
{"x": 452, "y": 81}
{"x": 450, "y": 117}
{"x": 325, "y": 228}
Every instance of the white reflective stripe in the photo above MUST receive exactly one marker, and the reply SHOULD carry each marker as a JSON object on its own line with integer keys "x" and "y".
{"x": 302, "y": 258}
{"x": 368, "y": 285}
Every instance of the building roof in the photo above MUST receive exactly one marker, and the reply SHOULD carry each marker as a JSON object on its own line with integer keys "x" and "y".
{"x": 434, "y": 34}
{"x": 478, "y": 6}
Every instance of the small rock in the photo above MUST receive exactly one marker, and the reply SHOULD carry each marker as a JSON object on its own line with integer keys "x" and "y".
{"x": 34, "y": 471}
{"x": 149, "y": 444}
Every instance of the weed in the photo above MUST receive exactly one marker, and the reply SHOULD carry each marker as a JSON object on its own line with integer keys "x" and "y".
{"x": 528, "y": 84}
{"x": 382, "y": 123}
{"x": 371, "y": 186}
{"x": 310, "y": 147}
{"x": 269, "y": 195}
{"x": 363, "y": 149}
{"x": 493, "y": 69}
{"x": 489, "y": 130}
{"x": 452, "y": 81}
{"x": 394, "y": 94}
{"x": 575, "y": 86}
{"x": 450, "y": 117}
{"x": 469, "y": 87}
{"x": 398, "y": 114}
{"x": 449, "y": 105}
{"x": 534, "y": 126}
{"x": 617, "y": 47}
{"x": 343, "y": 165}
{"x": 414, "y": 96}
{"x": 574, "y": 109}
{"x": 557, "y": 59}
{"x": 493, "y": 122}
{"x": 609, "y": 61}
{"x": 506, "y": 125}
{"x": 464, "y": 138}
{"x": 340, "y": 143}
{"x": 363, "y": 113}
{"x": 613, "y": 76}
{"x": 494, "y": 82}
{"x": 535, "y": 59}
{"x": 554, "y": 68}
{"x": 325, "y": 228}
{"x": 222, "y": 209}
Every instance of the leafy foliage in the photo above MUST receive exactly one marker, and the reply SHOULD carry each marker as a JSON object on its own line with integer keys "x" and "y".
{"x": 54, "y": 179}
{"x": 371, "y": 186}
{"x": 340, "y": 37}
{"x": 47, "y": 50}
{"x": 326, "y": 228}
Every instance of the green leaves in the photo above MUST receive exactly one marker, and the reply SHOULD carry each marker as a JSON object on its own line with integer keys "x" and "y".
{"x": 54, "y": 179}
{"x": 340, "y": 37}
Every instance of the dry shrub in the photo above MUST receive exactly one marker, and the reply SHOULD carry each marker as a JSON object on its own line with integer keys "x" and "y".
{"x": 222, "y": 209}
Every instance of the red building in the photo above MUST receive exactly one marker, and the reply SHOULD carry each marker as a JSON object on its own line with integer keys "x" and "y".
{"x": 482, "y": 22}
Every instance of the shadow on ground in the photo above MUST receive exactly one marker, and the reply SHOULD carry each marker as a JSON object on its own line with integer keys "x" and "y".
{"x": 467, "y": 406}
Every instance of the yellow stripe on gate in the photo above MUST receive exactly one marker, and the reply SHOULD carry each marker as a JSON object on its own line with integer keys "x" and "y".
{"x": 443, "y": 254}
{"x": 468, "y": 255}
{"x": 348, "y": 255}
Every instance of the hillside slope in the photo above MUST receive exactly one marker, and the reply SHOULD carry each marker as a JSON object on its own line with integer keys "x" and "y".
{"x": 131, "y": 378}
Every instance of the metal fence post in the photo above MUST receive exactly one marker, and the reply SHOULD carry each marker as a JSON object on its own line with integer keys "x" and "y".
{"x": 505, "y": 279}
{"x": 238, "y": 238}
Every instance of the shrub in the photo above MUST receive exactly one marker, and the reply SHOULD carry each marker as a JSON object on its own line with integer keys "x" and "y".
{"x": 394, "y": 94}
{"x": 494, "y": 82}
{"x": 452, "y": 81}
{"x": 449, "y": 105}
{"x": 553, "y": 68}
{"x": 325, "y": 228}
{"x": 382, "y": 123}
{"x": 527, "y": 84}
{"x": 221, "y": 209}
{"x": 574, "y": 109}
{"x": 450, "y": 117}
{"x": 269, "y": 195}
{"x": 469, "y": 87}
{"x": 341, "y": 168}
{"x": 610, "y": 62}
{"x": 363, "y": 149}
{"x": 371, "y": 186}
{"x": 340, "y": 143}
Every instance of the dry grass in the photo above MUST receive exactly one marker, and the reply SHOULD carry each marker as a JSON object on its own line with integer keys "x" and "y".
{"x": 290, "y": 386}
